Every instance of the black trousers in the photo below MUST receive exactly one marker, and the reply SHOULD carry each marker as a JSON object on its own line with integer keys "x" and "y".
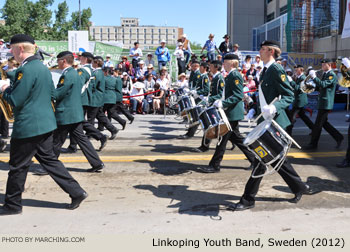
{"x": 348, "y": 150}
{"x": 94, "y": 112}
{"x": 4, "y": 125}
{"x": 76, "y": 131}
{"x": 292, "y": 117}
{"x": 287, "y": 172}
{"x": 112, "y": 113}
{"x": 121, "y": 108}
{"x": 21, "y": 154}
{"x": 322, "y": 121}
{"x": 181, "y": 64}
{"x": 89, "y": 129}
{"x": 236, "y": 138}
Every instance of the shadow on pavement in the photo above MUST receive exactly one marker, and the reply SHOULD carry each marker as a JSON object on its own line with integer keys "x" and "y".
{"x": 167, "y": 148}
{"x": 38, "y": 203}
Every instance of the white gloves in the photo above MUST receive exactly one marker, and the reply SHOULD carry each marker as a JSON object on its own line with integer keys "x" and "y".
{"x": 312, "y": 73}
{"x": 194, "y": 92}
{"x": 4, "y": 84}
{"x": 289, "y": 78}
{"x": 268, "y": 112}
{"x": 251, "y": 114}
{"x": 218, "y": 103}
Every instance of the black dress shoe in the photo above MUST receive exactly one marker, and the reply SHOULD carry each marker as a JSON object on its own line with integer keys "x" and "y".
{"x": 239, "y": 207}
{"x": 310, "y": 147}
{"x": 100, "y": 128}
{"x": 76, "y": 201}
{"x": 209, "y": 169}
{"x": 114, "y": 134}
{"x": 344, "y": 164}
{"x": 124, "y": 125}
{"x": 68, "y": 150}
{"x": 132, "y": 119}
{"x": 97, "y": 168}
{"x": 103, "y": 142}
{"x": 201, "y": 149}
{"x": 183, "y": 137}
{"x": 339, "y": 143}
{"x": 40, "y": 171}
{"x": 308, "y": 191}
{"x": 8, "y": 211}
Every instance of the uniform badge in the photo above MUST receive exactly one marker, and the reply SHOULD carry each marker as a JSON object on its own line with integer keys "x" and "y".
{"x": 20, "y": 75}
{"x": 206, "y": 80}
{"x": 198, "y": 76}
{"x": 236, "y": 82}
{"x": 222, "y": 84}
{"x": 80, "y": 72}
{"x": 331, "y": 77}
{"x": 283, "y": 77}
{"x": 62, "y": 81}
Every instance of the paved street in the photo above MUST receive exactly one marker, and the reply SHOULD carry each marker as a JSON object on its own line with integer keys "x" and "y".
{"x": 151, "y": 185}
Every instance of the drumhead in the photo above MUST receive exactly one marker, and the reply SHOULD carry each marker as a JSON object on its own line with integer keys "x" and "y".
{"x": 257, "y": 132}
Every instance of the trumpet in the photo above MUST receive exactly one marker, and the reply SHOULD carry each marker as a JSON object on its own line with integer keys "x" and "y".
{"x": 344, "y": 81}
{"x": 308, "y": 86}
{"x": 4, "y": 105}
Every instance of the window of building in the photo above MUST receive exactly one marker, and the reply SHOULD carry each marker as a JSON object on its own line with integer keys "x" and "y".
{"x": 283, "y": 10}
{"x": 270, "y": 17}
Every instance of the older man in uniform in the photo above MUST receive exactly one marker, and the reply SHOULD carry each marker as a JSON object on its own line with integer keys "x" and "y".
{"x": 33, "y": 128}
{"x": 326, "y": 87}
{"x": 274, "y": 83}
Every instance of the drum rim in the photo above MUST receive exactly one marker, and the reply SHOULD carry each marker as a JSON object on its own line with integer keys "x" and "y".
{"x": 253, "y": 135}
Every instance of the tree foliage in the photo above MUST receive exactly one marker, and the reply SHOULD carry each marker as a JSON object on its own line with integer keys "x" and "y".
{"x": 35, "y": 18}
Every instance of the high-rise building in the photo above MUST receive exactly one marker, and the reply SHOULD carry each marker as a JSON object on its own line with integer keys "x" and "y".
{"x": 131, "y": 31}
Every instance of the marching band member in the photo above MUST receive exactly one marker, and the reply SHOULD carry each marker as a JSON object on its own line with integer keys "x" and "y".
{"x": 30, "y": 96}
{"x": 300, "y": 101}
{"x": 194, "y": 81}
{"x": 274, "y": 83}
{"x": 232, "y": 103}
{"x": 326, "y": 87}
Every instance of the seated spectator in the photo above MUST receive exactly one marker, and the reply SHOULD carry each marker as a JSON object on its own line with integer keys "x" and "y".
{"x": 250, "y": 83}
{"x": 140, "y": 71}
{"x": 247, "y": 62}
{"x": 127, "y": 84}
{"x": 124, "y": 65}
{"x": 149, "y": 82}
{"x": 251, "y": 71}
{"x": 138, "y": 100}
{"x": 182, "y": 82}
{"x": 163, "y": 79}
{"x": 157, "y": 97}
{"x": 150, "y": 70}
{"x": 149, "y": 60}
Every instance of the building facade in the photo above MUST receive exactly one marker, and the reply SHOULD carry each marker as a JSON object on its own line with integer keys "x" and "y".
{"x": 131, "y": 31}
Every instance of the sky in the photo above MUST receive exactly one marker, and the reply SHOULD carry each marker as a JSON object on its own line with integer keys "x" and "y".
{"x": 197, "y": 17}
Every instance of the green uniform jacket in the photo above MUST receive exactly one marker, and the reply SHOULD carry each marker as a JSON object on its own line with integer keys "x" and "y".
{"x": 233, "y": 103}
{"x": 326, "y": 88}
{"x": 203, "y": 85}
{"x": 85, "y": 77}
{"x": 30, "y": 97}
{"x": 119, "y": 86}
{"x": 216, "y": 87}
{"x": 97, "y": 88}
{"x": 12, "y": 76}
{"x": 68, "y": 107}
{"x": 110, "y": 90}
{"x": 300, "y": 98}
{"x": 274, "y": 84}
{"x": 194, "y": 79}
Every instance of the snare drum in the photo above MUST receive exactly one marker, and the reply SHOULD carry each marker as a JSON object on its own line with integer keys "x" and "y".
{"x": 268, "y": 143}
{"x": 214, "y": 122}
{"x": 193, "y": 115}
{"x": 179, "y": 92}
{"x": 186, "y": 103}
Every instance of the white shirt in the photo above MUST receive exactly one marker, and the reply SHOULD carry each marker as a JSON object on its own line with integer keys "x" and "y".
{"x": 134, "y": 91}
{"x": 164, "y": 84}
{"x": 133, "y": 51}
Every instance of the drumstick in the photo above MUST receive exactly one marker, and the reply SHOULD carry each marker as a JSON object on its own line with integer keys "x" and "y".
{"x": 285, "y": 133}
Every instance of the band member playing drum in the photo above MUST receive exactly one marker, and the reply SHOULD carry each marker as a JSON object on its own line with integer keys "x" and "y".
{"x": 232, "y": 103}
{"x": 32, "y": 136}
{"x": 273, "y": 83}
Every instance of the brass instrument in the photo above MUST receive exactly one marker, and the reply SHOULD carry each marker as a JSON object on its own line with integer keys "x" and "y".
{"x": 5, "y": 106}
{"x": 308, "y": 86}
{"x": 344, "y": 81}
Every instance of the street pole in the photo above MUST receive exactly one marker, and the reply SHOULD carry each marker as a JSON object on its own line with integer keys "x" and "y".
{"x": 79, "y": 17}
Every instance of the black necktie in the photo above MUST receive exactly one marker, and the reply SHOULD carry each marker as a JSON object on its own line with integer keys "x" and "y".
{"x": 262, "y": 74}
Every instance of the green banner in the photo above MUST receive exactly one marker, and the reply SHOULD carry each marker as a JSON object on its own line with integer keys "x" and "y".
{"x": 104, "y": 49}
{"x": 53, "y": 46}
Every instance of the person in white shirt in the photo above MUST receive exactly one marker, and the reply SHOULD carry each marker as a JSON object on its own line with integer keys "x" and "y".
{"x": 135, "y": 101}
{"x": 163, "y": 80}
{"x": 180, "y": 56}
{"x": 135, "y": 54}
{"x": 182, "y": 82}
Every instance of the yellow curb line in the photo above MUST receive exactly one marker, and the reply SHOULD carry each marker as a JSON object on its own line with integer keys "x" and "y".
{"x": 126, "y": 159}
